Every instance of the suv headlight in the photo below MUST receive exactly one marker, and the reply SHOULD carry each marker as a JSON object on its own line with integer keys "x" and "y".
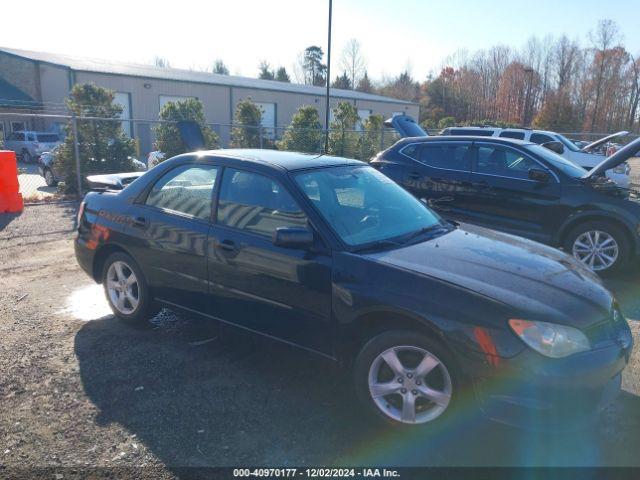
{"x": 623, "y": 169}
{"x": 550, "y": 339}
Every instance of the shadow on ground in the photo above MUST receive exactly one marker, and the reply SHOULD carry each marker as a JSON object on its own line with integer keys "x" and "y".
{"x": 6, "y": 219}
{"x": 238, "y": 400}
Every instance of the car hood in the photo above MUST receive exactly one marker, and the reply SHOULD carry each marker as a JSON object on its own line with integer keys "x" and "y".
{"x": 628, "y": 151}
{"x": 406, "y": 126}
{"x": 538, "y": 281}
{"x": 602, "y": 141}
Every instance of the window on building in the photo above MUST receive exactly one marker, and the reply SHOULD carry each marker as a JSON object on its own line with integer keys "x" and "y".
{"x": 255, "y": 203}
{"x": 187, "y": 189}
{"x": 124, "y": 100}
{"x": 18, "y": 126}
{"x": 268, "y": 118}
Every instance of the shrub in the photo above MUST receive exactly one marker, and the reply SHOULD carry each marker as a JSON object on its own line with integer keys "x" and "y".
{"x": 304, "y": 133}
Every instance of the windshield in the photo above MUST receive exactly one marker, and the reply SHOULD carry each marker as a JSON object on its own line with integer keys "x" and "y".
{"x": 561, "y": 163}
{"x": 363, "y": 206}
{"x": 567, "y": 143}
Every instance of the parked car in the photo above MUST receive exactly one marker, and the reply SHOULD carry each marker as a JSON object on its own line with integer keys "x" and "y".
{"x": 329, "y": 255}
{"x": 524, "y": 189}
{"x": 48, "y": 169}
{"x": 29, "y": 145}
{"x": 587, "y": 157}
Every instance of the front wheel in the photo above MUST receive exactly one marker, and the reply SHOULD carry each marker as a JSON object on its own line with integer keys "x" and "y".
{"x": 127, "y": 291}
{"x": 49, "y": 178}
{"x": 599, "y": 245}
{"x": 404, "y": 378}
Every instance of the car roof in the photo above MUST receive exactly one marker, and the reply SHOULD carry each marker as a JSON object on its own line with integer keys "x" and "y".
{"x": 289, "y": 161}
{"x": 501, "y": 129}
{"x": 462, "y": 138}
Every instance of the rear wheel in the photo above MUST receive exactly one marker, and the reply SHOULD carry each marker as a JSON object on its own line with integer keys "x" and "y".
{"x": 599, "y": 245}
{"x": 404, "y": 378}
{"x": 26, "y": 156}
{"x": 49, "y": 178}
{"x": 127, "y": 291}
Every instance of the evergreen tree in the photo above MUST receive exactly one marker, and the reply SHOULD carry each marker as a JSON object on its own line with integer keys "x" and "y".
{"x": 365, "y": 85}
{"x": 371, "y": 136}
{"x": 167, "y": 134}
{"x": 247, "y": 125}
{"x": 102, "y": 144}
{"x": 343, "y": 82}
{"x": 343, "y": 138}
{"x": 265, "y": 71}
{"x": 304, "y": 133}
{"x": 282, "y": 75}
{"x": 220, "y": 68}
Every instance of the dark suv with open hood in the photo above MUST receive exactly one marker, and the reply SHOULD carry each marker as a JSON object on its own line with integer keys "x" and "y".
{"x": 525, "y": 189}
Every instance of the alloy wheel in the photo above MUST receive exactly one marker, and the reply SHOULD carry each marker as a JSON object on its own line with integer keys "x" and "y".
{"x": 48, "y": 177}
{"x": 123, "y": 287}
{"x": 409, "y": 384}
{"x": 596, "y": 249}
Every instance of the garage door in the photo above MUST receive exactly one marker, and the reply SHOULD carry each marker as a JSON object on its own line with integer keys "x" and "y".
{"x": 124, "y": 100}
{"x": 268, "y": 118}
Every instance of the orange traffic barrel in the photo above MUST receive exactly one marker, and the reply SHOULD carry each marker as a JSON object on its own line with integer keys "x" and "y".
{"x": 8, "y": 172}
{"x": 11, "y": 203}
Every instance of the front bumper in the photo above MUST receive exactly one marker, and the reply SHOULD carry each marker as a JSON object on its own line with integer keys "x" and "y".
{"x": 538, "y": 393}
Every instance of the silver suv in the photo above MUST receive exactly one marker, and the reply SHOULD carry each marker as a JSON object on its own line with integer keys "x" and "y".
{"x": 29, "y": 145}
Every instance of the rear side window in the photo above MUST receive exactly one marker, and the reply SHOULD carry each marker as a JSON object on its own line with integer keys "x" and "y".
{"x": 255, "y": 203}
{"x": 473, "y": 132}
{"x": 514, "y": 135}
{"x": 187, "y": 189}
{"x": 449, "y": 157}
{"x": 17, "y": 136}
{"x": 541, "y": 138}
{"x": 48, "y": 137}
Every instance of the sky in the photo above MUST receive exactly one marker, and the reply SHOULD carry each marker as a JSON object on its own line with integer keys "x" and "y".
{"x": 394, "y": 34}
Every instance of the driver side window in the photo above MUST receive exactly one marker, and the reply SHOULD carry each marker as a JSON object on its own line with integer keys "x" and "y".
{"x": 504, "y": 162}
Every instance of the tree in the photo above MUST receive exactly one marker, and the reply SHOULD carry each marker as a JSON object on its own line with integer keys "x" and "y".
{"x": 371, "y": 138}
{"x": 304, "y": 133}
{"x": 343, "y": 138}
{"x": 265, "y": 71}
{"x": 282, "y": 75}
{"x": 353, "y": 62}
{"x": 603, "y": 39}
{"x": 314, "y": 71}
{"x": 447, "y": 122}
{"x": 246, "y": 132}
{"x": 365, "y": 85}
{"x": 167, "y": 133}
{"x": 343, "y": 82}
{"x": 102, "y": 144}
{"x": 220, "y": 68}
{"x": 161, "y": 62}
{"x": 403, "y": 87}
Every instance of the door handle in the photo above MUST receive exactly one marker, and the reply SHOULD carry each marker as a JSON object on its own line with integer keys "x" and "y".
{"x": 139, "y": 222}
{"x": 228, "y": 245}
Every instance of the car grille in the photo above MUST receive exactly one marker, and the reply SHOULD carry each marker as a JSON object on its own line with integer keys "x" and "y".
{"x": 614, "y": 328}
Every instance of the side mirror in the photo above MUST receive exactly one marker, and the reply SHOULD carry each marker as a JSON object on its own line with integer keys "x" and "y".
{"x": 557, "y": 147}
{"x": 293, "y": 237}
{"x": 539, "y": 175}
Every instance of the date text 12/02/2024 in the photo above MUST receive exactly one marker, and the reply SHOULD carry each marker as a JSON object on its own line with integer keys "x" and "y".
{"x": 316, "y": 472}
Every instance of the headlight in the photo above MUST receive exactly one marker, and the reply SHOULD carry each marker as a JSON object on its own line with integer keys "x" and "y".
{"x": 623, "y": 169}
{"x": 550, "y": 339}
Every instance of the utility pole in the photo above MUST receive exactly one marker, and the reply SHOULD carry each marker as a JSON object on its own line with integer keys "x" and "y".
{"x": 326, "y": 113}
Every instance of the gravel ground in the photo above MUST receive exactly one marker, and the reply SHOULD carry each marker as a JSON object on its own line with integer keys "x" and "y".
{"x": 77, "y": 388}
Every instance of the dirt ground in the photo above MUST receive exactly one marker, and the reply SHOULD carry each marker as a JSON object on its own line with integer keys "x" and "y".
{"x": 77, "y": 388}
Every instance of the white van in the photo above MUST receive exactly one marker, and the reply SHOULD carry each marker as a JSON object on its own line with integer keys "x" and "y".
{"x": 556, "y": 142}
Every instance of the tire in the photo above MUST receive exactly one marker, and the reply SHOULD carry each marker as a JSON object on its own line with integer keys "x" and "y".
{"x": 612, "y": 240}
{"x": 407, "y": 387}
{"x": 26, "y": 156}
{"x": 117, "y": 271}
{"x": 49, "y": 178}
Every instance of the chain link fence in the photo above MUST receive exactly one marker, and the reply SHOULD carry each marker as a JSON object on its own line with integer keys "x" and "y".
{"x": 41, "y": 182}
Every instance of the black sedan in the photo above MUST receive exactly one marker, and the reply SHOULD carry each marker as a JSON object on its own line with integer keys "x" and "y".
{"x": 524, "y": 189}
{"x": 331, "y": 256}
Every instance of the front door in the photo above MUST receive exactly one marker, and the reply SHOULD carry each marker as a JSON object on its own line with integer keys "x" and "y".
{"x": 506, "y": 198}
{"x": 169, "y": 234}
{"x": 281, "y": 292}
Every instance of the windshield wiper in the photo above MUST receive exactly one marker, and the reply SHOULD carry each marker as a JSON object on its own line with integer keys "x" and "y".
{"x": 430, "y": 229}
{"x": 377, "y": 245}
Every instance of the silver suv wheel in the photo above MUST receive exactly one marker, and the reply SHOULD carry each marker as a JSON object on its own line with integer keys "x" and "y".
{"x": 596, "y": 249}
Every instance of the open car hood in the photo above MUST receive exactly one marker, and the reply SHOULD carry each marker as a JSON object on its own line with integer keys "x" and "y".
{"x": 604, "y": 140}
{"x": 113, "y": 181}
{"x": 406, "y": 126}
{"x": 630, "y": 150}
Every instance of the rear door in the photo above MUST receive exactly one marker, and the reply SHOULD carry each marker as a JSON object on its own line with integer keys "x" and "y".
{"x": 169, "y": 231}
{"x": 505, "y": 198}
{"x": 440, "y": 174}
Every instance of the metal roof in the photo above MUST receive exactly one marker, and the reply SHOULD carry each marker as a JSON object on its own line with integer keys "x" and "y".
{"x": 150, "y": 71}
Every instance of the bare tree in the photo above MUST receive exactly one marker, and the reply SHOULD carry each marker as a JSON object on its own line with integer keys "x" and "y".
{"x": 353, "y": 61}
{"x": 603, "y": 39}
{"x": 161, "y": 62}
